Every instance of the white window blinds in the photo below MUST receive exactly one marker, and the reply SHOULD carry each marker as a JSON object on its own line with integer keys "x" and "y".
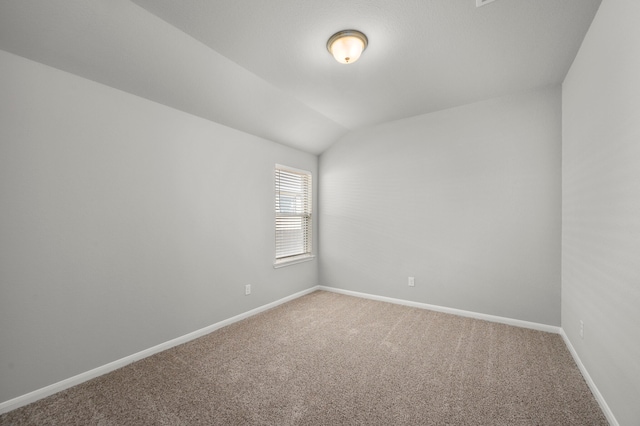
{"x": 293, "y": 213}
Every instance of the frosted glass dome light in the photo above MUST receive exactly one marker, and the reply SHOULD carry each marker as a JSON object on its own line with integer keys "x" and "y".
{"x": 347, "y": 46}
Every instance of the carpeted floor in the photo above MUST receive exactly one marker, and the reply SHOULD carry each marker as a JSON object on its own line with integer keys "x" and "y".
{"x": 329, "y": 359}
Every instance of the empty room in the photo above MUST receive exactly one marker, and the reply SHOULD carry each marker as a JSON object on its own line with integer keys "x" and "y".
{"x": 320, "y": 212}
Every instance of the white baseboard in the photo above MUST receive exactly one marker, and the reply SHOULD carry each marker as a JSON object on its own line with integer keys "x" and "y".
{"x": 594, "y": 389}
{"x": 30, "y": 397}
{"x": 460, "y": 312}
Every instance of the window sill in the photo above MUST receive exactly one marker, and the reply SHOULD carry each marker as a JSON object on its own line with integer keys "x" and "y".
{"x": 292, "y": 261}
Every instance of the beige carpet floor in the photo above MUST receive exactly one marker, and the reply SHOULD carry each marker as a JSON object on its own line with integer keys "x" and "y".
{"x": 330, "y": 359}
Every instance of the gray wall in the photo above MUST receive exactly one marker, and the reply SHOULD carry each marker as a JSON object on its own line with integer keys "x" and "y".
{"x": 601, "y": 205}
{"x": 466, "y": 200}
{"x": 123, "y": 224}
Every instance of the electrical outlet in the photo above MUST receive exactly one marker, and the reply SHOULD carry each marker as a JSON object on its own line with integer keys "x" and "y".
{"x": 581, "y": 329}
{"x": 412, "y": 282}
{"x": 247, "y": 289}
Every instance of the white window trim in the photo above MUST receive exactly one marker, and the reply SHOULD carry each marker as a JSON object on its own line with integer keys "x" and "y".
{"x": 281, "y": 263}
{"x": 305, "y": 257}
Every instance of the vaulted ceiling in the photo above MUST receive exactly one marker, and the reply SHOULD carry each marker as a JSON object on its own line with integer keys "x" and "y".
{"x": 262, "y": 66}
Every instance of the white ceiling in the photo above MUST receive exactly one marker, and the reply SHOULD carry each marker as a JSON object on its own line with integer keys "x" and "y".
{"x": 262, "y": 66}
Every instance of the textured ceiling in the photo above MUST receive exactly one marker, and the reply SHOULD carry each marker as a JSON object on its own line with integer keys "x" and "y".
{"x": 262, "y": 66}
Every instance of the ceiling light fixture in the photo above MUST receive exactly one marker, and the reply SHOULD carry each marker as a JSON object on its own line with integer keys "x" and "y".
{"x": 347, "y": 46}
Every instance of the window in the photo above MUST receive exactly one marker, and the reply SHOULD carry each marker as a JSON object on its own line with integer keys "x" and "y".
{"x": 293, "y": 215}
